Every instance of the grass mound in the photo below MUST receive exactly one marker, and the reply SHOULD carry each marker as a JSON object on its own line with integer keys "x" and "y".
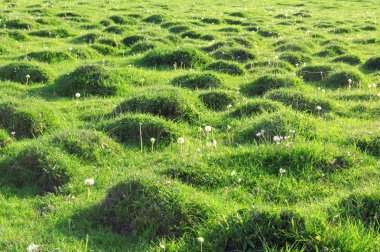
{"x": 332, "y": 51}
{"x": 294, "y": 47}
{"x": 301, "y": 101}
{"x": 115, "y": 29}
{"x": 198, "y": 81}
{"x": 54, "y": 33}
{"x": 344, "y": 78}
{"x": 254, "y": 230}
{"x": 369, "y": 143}
{"x": 88, "y": 80}
{"x": 88, "y": 145}
{"x": 255, "y": 107}
{"x": 315, "y": 72}
{"x": 128, "y": 210}
{"x": 279, "y": 123}
{"x": 142, "y": 46}
{"x": 226, "y": 67}
{"x": 348, "y": 59}
{"x": 104, "y": 49}
{"x": 18, "y": 24}
{"x": 215, "y": 46}
{"x": 295, "y": 58}
{"x": 131, "y": 40}
{"x": 26, "y": 120}
{"x": 5, "y": 138}
{"x": 218, "y": 100}
{"x": 25, "y": 73}
{"x": 267, "y": 33}
{"x": 175, "y": 58}
{"x": 89, "y": 38}
{"x": 155, "y": 19}
{"x": 49, "y": 56}
{"x": 373, "y": 63}
{"x": 271, "y": 81}
{"x": 19, "y": 36}
{"x": 179, "y": 29}
{"x": 235, "y": 54}
{"x": 38, "y": 166}
{"x": 278, "y": 64}
{"x": 126, "y": 129}
{"x": 364, "y": 207}
{"x": 170, "y": 103}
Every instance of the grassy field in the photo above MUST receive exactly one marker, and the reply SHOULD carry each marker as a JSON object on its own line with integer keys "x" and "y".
{"x": 205, "y": 125}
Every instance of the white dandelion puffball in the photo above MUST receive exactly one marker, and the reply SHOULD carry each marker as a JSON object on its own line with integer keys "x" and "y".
{"x": 200, "y": 129}
{"x": 27, "y": 76}
{"x": 229, "y": 106}
{"x": 89, "y": 182}
{"x": 200, "y": 239}
{"x": 181, "y": 140}
{"x": 229, "y": 127}
{"x": 33, "y": 247}
{"x": 162, "y": 246}
{"x": 214, "y": 142}
{"x": 77, "y": 95}
{"x": 292, "y": 131}
{"x": 319, "y": 108}
{"x": 153, "y": 140}
{"x": 349, "y": 81}
{"x": 281, "y": 170}
{"x": 208, "y": 128}
{"x": 233, "y": 173}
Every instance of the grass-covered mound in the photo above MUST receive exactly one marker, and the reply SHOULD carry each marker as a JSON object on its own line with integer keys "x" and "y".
{"x": 24, "y": 73}
{"x": 17, "y": 24}
{"x": 268, "y": 64}
{"x": 344, "y": 79}
{"x": 219, "y": 99}
{"x": 373, "y": 63}
{"x": 235, "y": 54}
{"x": 89, "y": 80}
{"x": 143, "y": 46}
{"x": 175, "y": 58}
{"x": 155, "y": 19}
{"x": 367, "y": 142}
{"x": 151, "y": 208}
{"x": 104, "y": 49}
{"x": 39, "y": 166}
{"x": 364, "y": 207}
{"x": 255, "y": 107}
{"x": 49, "y": 56}
{"x": 29, "y": 119}
{"x": 226, "y": 67}
{"x": 332, "y": 51}
{"x": 131, "y": 40}
{"x": 276, "y": 124}
{"x": 255, "y": 230}
{"x": 53, "y": 33}
{"x": 198, "y": 81}
{"x": 295, "y": 58}
{"x": 170, "y": 103}
{"x": 301, "y": 101}
{"x": 294, "y": 47}
{"x": 270, "y": 81}
{"x": 89, "y": 145}
{"x": 126, "y": 129}
{"x": 315, "y": 72}
{"x": 5, "y": 138}
{"x": 348, "y": 59}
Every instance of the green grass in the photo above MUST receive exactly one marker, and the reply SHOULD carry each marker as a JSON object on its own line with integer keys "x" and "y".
{"x": 289, "y": 88}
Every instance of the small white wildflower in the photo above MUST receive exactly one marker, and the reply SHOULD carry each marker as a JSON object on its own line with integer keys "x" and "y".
{"x": 162, "y": 246}
{"x": 229, "y": 127}
{"x": 200, "y": 129}
{"x": 292, "y": 131}
{"x": 214, "y": 142}
{"x": 349, "y": 81}
{"x": 229, "y": 106}
{"x": 201, "y": 239}
{"x": 208, "y": 128}
{"x": 233, "y": 173}
{"x": 27, "y": 76}
{"x": 239, "y": 180}
{"x": 181, "y": 140}
{"x": 13, "y": 133}
{"x": 153, "y": 140}
{"x": 89, "y": 182}
{"x": 319, "y": 108}
{"x": 33, "y": 247}
{"x": 77, "y": 95}
{"x": 281, "y": 170}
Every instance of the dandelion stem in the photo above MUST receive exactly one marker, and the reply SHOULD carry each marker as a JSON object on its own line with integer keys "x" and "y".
{"x": 141, "y": 141}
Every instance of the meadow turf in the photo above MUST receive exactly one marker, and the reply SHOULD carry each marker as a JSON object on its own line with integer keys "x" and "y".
{"x": 289, "y": 88}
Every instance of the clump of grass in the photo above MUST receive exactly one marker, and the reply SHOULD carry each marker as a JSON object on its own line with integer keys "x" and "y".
{"x": 179, "y": 29}
{"x": 315, "y": 72}
{"x": 235, "y": 54}
{"x": 88, "y": 38}
{"x": 345, "y": 79}
{"x": 126, "y": 129}
{"x": 198, "y": 81}
{"x": 279, "y": 123}
{"x": 143, "y": 46}
{"x": 5, "y": 138}
{"x": 104, "y": 49}
{"x": 295, "y": 58}
{"x": 332, "y": 51}
{"x": 268, "y": 33}
{"x": 29, "y": 119}
{"x": 83, "y": 53}
{"x": 118, "y": 19}
{"x": 267, "y": 64}
{"x": 114, "y": 29}
{"x": 248, "y": 230}
{"x": 170, "y": 103}
{"x": 19, "y": 36}
{"x": 25, "y": 73}
{"x": 367, "y": 142}
{"x": 175, "y": 58}
{"x": 127, "y": 209}
{"x": 226, "y": 67}
{"x": 89, "y": 145}
{"x": 49, "y": 56}
{"x": 53, "y": 33}
{"x": 301, "y": 101}
{"x": 18, "y": 24}
{"x": 348, "y": 59}
{"x": 363, "y": 207}
{"x": 217, "y": 45}
{"x": 89, "y": 80}
{"x": 271, "y": 81}
{"x": 255, "y": 107}
{"x": 39, "y": 166}
{"x": 294, "y": 47}
{"x": 155, "y": 19}
{"x": 131, "y": 40}
{"x": 373, "y": 63}
{"x": 218, "y": 100}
